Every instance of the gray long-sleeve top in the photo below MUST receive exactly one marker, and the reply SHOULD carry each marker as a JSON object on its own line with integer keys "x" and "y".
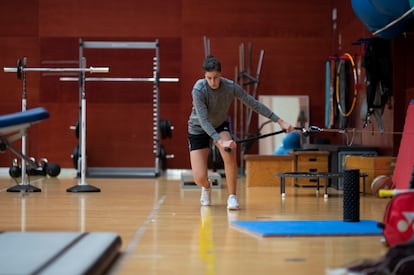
{"x": 210, "y": 107}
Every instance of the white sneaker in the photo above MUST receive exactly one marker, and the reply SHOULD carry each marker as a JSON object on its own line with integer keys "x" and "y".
{"x": 205, "y": 198}
{"x": 232, "y": 203}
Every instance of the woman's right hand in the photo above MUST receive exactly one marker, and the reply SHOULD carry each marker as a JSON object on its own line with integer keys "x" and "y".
{"x": 227, "y": 145}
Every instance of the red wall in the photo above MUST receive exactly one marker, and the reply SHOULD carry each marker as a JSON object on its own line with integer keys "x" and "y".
{"x": 296, "y": 36}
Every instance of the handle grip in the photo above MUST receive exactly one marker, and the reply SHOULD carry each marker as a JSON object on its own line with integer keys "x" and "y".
{"x": 383, "y": 193}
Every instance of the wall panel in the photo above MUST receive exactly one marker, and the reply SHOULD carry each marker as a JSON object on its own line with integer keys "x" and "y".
{"x": 297, "y": 37}
{"x": 77, "y": 18}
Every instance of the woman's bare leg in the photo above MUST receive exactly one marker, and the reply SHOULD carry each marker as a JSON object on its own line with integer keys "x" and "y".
{"x": 230, "y": 165}
{"x": 199, "y": 166}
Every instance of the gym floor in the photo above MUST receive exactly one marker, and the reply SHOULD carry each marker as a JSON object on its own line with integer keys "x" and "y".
{"x": 164, "y": 230}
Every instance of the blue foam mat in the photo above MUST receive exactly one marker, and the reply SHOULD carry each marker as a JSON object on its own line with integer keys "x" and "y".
{"x": 284, "y": 228}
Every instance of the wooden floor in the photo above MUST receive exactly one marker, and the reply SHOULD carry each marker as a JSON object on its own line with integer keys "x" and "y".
{"x": 165, "y": 231}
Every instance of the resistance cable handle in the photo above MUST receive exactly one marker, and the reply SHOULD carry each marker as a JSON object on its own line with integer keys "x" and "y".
{"x": 305, "y": 133}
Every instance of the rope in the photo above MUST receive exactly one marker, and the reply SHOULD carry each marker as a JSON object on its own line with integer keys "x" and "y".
{"x": 347, "y": 132}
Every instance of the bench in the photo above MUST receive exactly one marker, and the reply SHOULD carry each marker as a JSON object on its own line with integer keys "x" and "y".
{"x": 318, "y": 176}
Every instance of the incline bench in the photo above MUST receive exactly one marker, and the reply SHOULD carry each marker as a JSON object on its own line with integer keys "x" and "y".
{"x": 17, "y": 122}
{"x": 13, "y": 127}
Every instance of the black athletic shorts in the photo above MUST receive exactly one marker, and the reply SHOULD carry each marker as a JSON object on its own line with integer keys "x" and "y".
{"x": 201, "y": 141}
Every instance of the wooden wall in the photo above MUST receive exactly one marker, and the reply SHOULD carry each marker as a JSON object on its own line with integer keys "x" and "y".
{"x": 297, "y": 37}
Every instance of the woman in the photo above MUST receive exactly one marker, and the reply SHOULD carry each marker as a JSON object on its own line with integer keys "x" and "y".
{"x": 212, "y": 98}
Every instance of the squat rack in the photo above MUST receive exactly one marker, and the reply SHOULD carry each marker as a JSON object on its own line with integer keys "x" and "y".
{"x": 133, "y": 172}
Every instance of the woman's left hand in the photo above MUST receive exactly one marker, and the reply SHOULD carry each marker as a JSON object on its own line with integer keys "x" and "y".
{"x": 285, "y": 126}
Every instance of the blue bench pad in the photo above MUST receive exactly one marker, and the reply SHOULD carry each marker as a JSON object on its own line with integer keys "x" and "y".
{"x": 29, "y": 116}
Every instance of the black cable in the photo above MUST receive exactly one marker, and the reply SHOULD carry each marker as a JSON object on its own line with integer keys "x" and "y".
{"x": 304, "y": 133}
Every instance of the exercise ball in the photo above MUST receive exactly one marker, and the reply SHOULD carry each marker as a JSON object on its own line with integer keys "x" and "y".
{"x": 290, "y": 142}
{"x": 378, "y": 15}
{"x": 391, "y": 8}
{"x": 381, "y": 182}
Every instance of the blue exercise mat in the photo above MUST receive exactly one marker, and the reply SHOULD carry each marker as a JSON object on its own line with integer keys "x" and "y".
{"x": 309, "y": 228}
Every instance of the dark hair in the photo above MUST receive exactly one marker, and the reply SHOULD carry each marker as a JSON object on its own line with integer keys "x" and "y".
{"x": 211, "y": 64}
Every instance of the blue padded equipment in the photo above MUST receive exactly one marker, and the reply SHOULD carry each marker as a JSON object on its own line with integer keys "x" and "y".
{"x": 13, "y": 127}
{"x": 290, "y": 142}
{"x": 376, "y": 14}
{"x": 17, "y": 121}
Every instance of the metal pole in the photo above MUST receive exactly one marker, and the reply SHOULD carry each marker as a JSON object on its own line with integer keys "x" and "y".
{"x": 156, "y": 136}
{"x": 83, "y": 127}
{"x": 122, "y": 79}
{"x": 90, "y": 69}
{"x": 24, "y": 108}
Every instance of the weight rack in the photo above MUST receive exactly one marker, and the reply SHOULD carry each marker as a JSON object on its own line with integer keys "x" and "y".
{"x": 131, "y": 172}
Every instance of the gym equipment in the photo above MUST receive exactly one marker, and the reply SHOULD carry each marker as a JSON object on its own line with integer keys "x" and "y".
{"x": 290, "y": 142}
{"x": 305, "y": 132}
{"x": 123, "y": 79}
{"x": 21, "y": 70}
{"x": 381, "y": 182}
{"x": 166, "y": 132}
{"x": 339, "y": 70}
{"x": 378, "y": 77}
{"x": 165, "y": 128}
{"x": 351, "y": 196}
{"x": 346, "y": 57}
{"x": 15, "y": 170}
{"x": 248, "y": 145}
{"x": 53, "y": 252}
{"x": 43, "y": 168}
{"x": 385, "y": 19}
{"x": 163, "y": 156}
{"x": 384, "y": 193}
{"x": 13, "y": 127}
{"x": 75, "y": 156}
{"x": 315, "y": 129}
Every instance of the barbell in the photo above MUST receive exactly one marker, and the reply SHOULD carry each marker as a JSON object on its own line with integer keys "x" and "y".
{"x": 21, "y": 68}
